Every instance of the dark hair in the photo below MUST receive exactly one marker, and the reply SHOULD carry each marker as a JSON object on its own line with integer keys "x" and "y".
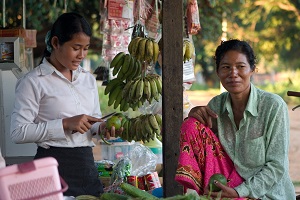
{"x": 65, "y": 26}
{"x": 236, "y": 45}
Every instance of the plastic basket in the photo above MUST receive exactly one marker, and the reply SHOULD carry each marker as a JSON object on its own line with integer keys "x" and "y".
{"x": 37, "y": 179}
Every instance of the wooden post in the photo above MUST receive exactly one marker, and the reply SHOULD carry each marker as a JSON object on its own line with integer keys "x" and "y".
{"x": 172, "y": 98}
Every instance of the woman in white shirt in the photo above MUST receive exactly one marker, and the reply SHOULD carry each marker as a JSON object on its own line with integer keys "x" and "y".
{"x": 2, "y": 161}
{"x": 57, "y": 106}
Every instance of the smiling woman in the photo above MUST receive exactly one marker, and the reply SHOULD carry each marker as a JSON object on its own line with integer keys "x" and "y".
{"x": 242, "y": 133}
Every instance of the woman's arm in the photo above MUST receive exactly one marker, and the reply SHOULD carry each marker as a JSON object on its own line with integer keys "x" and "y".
{"x": 23, "y": 128}
{"x": 276, "y": 157}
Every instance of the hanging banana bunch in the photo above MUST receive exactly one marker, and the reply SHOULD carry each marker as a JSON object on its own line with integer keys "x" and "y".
{"x": 188, "y": 50}
{"x": 141, "y": 128}
{"x": 144, "y": 49}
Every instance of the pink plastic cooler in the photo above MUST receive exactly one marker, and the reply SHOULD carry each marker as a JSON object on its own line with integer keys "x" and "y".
{"x": 37, "y": 179}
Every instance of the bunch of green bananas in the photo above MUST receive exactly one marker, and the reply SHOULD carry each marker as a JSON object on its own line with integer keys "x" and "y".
{"x": 144, "y": 49}
{"x": 188, "y": 50}
{"x": 134, "y": 93}
{"x": 125, "y": 66}
{"x": 141, "y": 128}
{"x": 141, "y": 89}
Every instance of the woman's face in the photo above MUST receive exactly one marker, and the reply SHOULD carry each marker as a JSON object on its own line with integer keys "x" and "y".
{"x": 235, "y": 72}
{"x": 70, "y": 54}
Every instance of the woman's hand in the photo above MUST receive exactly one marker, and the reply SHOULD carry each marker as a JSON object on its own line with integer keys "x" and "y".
{"x": 109, "y": 133}
{"x": 204, "y": 114}
{"x": 225, "y": 191}
{"x": 80, "y": 123}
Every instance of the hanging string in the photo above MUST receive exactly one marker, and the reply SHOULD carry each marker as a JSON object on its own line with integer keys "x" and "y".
{"x": 3, "y": 13}
{"x": 66, "y": 5}
{"x": 24, "y": 13}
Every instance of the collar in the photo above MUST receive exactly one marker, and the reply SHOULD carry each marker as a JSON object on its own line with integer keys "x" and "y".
{"x": 46, "y": 68}
{"x": 251, "y": 105}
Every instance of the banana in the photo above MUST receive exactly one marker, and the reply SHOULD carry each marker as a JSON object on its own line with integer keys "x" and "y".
{"x": 189, "y": 50}
{"x": 158, "y": 81}
{"x": 126, "y": 89}
{"x": 142, "y": 50}
{"x": 124, "y": 105}
{"x": 118, "y": 66}
{"x": 131, "y": 68}
{"x": 132, "y": 129}
{"x": 134, "y": 105}
{"x": 148, "y": 128}
{"x": 154, "y": 91}
{"x": 135, "y": 46}
{"x": 116, "y": 59}
{"x": 144, "y": 134}
{"x": 125, "y": 66}
{"x": 139, "y": 69}
{"x": 134, "y": 69}
{"x": 184, "y": 49}
{"x": 147, "y": 89}
{"x": 158, "y": 118}
{"x": 124, "y": 119}
{"x": 118, "y": 100}
{"x": 111, "y": 84}
{"x": 131, "y": 43}
{"x": 154, "y": 124}
{"x": 114, "y": 94}
{"x": 155, "y": 51}
{"x": 133, "y": 89}
{"x": 149, "y": 51}
{"x": 125, "y": 131}
{"x": 139, "y": 129}
{"x": 120, "y": 75}
{"x": 140, "y": 102}
{"x": 139, "y": 89}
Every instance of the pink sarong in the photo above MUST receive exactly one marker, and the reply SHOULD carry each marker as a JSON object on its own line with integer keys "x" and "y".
{"x": 202, "y": 155}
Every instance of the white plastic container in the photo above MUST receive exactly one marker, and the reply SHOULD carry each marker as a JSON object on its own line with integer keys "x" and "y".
{"x": 37, "y": 179}
{"x": 116, "y": 150}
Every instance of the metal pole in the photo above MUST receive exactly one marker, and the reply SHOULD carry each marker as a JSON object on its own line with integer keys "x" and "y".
{"x": 3, "y": 12}
{"x": 24, "y": 14}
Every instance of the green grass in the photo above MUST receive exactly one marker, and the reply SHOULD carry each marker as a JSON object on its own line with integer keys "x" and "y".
{"x": 290, "y": 83}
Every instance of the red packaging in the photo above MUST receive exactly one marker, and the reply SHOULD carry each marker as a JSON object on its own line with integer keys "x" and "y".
{"x": 142, "y": 183}
{"x": 132, "y": 180}
{"x": 152, "y": 181}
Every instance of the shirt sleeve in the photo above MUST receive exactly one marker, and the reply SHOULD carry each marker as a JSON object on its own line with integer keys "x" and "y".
{"x": 276, "y": 161}
{"x": 96, "y": 113}
{"x": 23, "y": 127}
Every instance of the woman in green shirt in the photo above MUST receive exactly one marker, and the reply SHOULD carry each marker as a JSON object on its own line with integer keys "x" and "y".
{"x": 245, "y": 128}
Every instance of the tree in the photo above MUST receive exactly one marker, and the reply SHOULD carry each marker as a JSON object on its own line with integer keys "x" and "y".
{"x": 270, "y": 26}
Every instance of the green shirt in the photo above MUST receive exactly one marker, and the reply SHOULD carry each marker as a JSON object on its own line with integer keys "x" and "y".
{"x": 259, "y": 148}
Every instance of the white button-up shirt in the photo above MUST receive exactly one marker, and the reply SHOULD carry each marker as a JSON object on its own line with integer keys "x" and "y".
{"x": 44, "y": 97}
{"x": 2, "y": 161}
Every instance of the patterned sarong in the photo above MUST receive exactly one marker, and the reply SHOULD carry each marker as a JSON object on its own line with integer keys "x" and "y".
{"x": 202, "y": 155}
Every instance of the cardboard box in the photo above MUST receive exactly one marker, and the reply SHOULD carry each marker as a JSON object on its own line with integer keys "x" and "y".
{"x": 14, "y": 32}
{"x": 30, "y": 38}
{"x": 28, "y": 34}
